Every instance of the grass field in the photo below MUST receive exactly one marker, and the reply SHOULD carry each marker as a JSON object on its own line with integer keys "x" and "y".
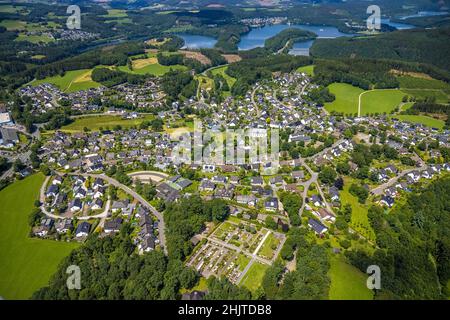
{"x": 380, "y": 101}
{"x": 94, "y": 123}
{"x": 26, "y": 263}
{"x": 309, "y": 70}
{"x": 254, "y": 276}
{"x": 267, "y": 250}
{"x": 150, "y": 65}
{"x": 408, "y": 82}
{"x": 115, "y": 13}
{"x": 421, "y": 94}
{"x": 346, "y": 98}
{"x": 72, "y": 81}
{"x": 359, "y": 221}
{"x": 13, "y": 24}
{"x": 33, "y": 38}
{"x": 347, "y": 282}
{"x": 373, "y": 101}
{"x": 221, "y": 71}
{"x": 427, "y": 121}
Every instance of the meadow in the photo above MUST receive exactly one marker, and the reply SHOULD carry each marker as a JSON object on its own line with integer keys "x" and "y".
{"x": 359, "y": 220}
{"x": 346, "y": 98}
{"x": 380, "y": 101}
{"x": 26, "y": 263}
{"x": 74, "y": 80}
{"x": 221, "y": 71}
{"x": 372, "y": 101}
{"x": 149, "y": 65}
{"x": 309, "y": 70}
{"x": 254, "y": 276}
{"x": 94, "y": 123}
{"x": 347, "y": 282}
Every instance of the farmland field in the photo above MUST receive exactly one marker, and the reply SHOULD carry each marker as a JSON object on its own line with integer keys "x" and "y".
{"x": 72, "y": 81}
{"x": 96, "y": 122}
{"x": 26, "y": 263}
{"x": 347, "y": 282}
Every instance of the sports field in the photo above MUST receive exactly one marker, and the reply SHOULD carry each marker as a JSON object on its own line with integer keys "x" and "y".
{"x": 347, "y": 282}
{"x": 26, "y": 264}
{"x": 71, "y": 81}
{"x": 94, "y": 123}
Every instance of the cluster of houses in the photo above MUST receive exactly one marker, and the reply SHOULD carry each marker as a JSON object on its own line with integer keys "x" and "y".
{"x": 390, "y": 193}
{"x": 146, "y": 240}
{"x": 76, "y": 196}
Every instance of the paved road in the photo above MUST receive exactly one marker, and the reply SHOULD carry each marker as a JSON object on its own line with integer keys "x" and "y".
{"x": 102, "y": 215}
{"x": 134, "y": 194}
{"x": 140, "y": 199}
{"x": 380, "y": 189}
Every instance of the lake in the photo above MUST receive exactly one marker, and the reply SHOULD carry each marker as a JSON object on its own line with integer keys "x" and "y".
{"x": 397, "y": 25}
{"x": 192, "y": 41}
{"x": 256, "y": 37}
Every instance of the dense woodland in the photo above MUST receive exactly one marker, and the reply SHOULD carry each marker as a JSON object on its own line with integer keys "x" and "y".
{"x": 249, "y": 71}
{"x": 416, "y": 45}
{"x": 414, "y": 245}
{"x": 286, "y": 38}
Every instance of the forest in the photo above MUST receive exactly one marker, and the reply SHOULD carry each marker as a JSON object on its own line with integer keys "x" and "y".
{"x": 249, "y": 71}
{"x": 414, "y": 246}
{"x": 286, "y": 38}
{"x": 426, "y": 46}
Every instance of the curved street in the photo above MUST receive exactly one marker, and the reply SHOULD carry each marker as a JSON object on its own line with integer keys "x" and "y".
{"x": 134, "y": 194}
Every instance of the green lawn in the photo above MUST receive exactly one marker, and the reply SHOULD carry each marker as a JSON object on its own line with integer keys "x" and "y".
{"x": 309, "y": 70}
{"x": 373, "y": 101}
{"x": 13, "y": 24}
{"x": 26, "y": 263}
{"x": 408, "y": 82}
{"x": 359, "y": 221}
{"x": 74, "y": 80}
{"x": 266, "y": 249}
{"x": 96, "y": 122}
{"x": 116, "y": 13}
{"x": 427, "y": 121}
{"x": 346, "y": 98}
{"x": 33, "y": 38}
{"x": 347, "y": 282}
{"x": 254, "y": 276}
{"x": 221, "y": 71}
{"x": 380, "y": 101}
{"x": 421, "y": 94}
{"x": 150, "y": 65}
